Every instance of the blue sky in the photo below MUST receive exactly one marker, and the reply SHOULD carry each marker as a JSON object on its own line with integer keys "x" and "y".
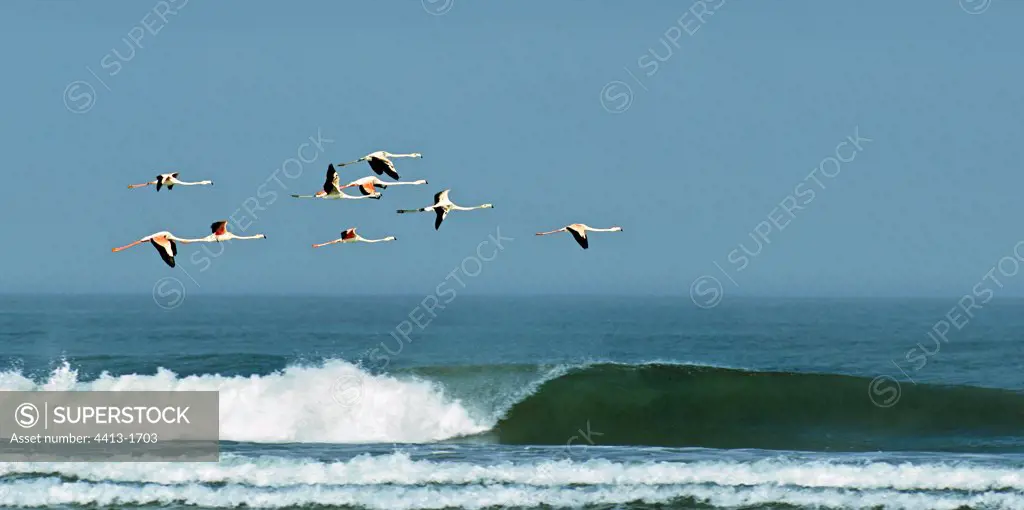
{"x": 509, "y": 103}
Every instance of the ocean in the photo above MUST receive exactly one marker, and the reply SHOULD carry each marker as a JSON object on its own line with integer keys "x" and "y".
{"x": 542, "y": 402}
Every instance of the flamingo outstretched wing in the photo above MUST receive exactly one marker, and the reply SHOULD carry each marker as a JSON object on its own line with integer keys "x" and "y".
{"x": 332, "y": 183}
{"x": 166, "y": 248}
{"x": 442, "y": 213}
{"x": 383, "y": 166}
{"x": 579, "y": 235}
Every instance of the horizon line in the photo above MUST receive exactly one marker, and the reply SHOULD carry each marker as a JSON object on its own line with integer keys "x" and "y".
{"x": 493, "y": 294}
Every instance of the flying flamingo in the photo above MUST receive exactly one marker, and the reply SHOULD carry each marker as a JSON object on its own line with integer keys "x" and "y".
{"x": 164, "y": 242}
{"x": 169, "y": 180}
{"x": 220, "y": 233}
{"x": 367, "y": 185}
{"x": 380, "y": 162}
{"x": 332, "y": 188}
{"x": 579, "y": 232}
{"x": 441, "y": 207}
{"x": 350, "y": 236}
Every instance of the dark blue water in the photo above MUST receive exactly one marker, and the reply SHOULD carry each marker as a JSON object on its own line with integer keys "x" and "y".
{"x": 531, "y": 401}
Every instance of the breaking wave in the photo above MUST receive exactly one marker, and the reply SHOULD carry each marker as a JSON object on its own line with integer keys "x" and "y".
{"x": 650, "y": 404}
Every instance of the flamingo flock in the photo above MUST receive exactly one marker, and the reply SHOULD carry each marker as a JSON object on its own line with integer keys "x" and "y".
{"x": 166, "y": 243}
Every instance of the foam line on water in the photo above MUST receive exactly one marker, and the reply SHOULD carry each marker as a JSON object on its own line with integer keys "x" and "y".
{"x": 400, "y": 469}
{"x": 53, "y": 492}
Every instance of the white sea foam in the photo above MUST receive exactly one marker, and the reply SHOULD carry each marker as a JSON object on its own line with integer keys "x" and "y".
{"x": 337, "y": 402}
{"x": 333, "y": 403}
{"x": 400, "y": 469}
{"x": 51, "y": 492}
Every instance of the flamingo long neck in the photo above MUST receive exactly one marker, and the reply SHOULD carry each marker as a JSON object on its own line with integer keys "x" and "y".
{"x": 414, "y": 183}
{"x": 233, "y": 236}
{"x": 460, "y": 208}
{"x": 198, "y": 183}
{"x": 613, "y": 229}
{"x": 390, "y": 155}
{"x": 212, "y": 238}
{"x": 384, "y": 240}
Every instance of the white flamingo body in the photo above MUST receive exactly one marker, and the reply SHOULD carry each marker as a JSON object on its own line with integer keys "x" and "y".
{"x": 380, "y": 162}
{"x": 219, "y": 233}
{"x": 368, "y": 185}
{"x": 170, "y": 180}
{"x": 442, "y": 206}
{"x": 350, "y": 236}
{"x": 579, "y": 232}
{"x": 332, "y": 189}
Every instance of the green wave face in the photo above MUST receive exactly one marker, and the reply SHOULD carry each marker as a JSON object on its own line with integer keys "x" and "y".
{"x": 692, "y": 406}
